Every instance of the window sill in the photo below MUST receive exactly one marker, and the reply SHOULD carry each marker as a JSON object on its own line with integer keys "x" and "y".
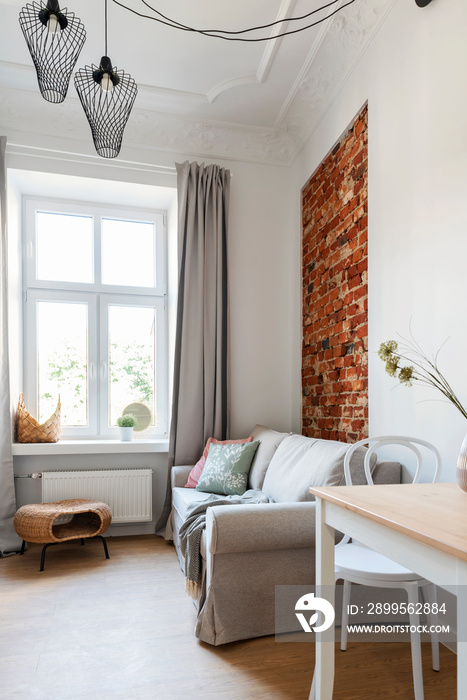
{"x": 87, "y": 447}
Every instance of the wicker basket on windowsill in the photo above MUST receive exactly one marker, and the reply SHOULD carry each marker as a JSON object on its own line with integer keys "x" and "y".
{"x": 29, "y": 430}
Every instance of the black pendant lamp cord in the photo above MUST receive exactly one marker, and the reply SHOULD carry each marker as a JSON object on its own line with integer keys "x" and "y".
{"x": 105, "y": 25}
{"x": 227, "y": 35}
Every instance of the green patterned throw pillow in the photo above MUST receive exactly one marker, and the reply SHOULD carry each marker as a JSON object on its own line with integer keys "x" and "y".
{"x": 226, "y": 469}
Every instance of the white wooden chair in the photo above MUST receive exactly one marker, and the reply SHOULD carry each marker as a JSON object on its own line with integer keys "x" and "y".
{"x": 356, "y": 563}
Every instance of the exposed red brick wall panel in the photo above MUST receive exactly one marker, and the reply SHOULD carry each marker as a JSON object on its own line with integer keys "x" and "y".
{"x": 335, "y": 291}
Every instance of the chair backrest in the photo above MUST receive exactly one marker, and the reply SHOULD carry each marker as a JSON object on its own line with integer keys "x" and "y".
{"x": 375, "y": 442}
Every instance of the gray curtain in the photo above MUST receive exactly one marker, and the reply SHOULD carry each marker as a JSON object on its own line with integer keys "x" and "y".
{"x": 200, "y": 401}
{"x": 9, "y": 541}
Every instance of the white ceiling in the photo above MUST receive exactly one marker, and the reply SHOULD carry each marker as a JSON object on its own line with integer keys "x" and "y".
{"x": 256, "y": 101}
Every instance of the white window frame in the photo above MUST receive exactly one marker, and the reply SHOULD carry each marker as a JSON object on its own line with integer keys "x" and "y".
{"x": 159, "y": 304}
{"x": 97, "y": 296}
{"x": 30, "y": 364}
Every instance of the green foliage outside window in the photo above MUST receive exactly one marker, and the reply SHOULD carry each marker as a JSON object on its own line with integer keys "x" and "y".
{"x": 131, "y": 373}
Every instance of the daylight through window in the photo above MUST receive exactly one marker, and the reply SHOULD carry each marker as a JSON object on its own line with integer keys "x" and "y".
{"x": 96, "y": 328}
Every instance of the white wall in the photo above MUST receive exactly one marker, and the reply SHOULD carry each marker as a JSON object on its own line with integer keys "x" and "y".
{"x": 260, "y": 260}
{"x": 414, "y": 76}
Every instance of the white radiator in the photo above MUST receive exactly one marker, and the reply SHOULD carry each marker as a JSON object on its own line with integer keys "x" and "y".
{"x": 128, "y": 492}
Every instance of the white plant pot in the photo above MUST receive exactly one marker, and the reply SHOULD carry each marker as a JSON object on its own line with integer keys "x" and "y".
{"x": 126, "y": 434}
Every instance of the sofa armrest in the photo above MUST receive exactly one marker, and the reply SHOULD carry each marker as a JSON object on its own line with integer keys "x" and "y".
{"x": 260, "y": 527}
{"x": 179, "y": 475}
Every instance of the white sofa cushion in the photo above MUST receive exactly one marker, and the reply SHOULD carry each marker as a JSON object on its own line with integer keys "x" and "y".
{"x": 269, "y": 441}
{"x": 183, "y": 497}
{"x": 300, "y": 462}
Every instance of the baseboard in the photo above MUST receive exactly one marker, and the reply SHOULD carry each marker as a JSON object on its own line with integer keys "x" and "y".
{"x": 124, "y": 530}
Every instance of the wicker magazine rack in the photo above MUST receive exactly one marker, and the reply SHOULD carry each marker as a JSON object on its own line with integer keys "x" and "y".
{"x": 29, "y": 430}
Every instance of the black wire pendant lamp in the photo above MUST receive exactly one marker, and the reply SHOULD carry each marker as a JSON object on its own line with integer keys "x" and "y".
{"x": 107, "y": 96}
{"x": 55, "y": 38}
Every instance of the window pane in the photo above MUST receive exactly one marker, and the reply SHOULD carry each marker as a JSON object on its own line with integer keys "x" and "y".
{"x": 128, "y": 253}
{"x": 64, "y": 247}
{"x": 62, "y": 360}
{"x": 132, "y": 358}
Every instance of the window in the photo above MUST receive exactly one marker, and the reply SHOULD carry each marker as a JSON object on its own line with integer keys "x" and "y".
{"x": 96, "y": 322}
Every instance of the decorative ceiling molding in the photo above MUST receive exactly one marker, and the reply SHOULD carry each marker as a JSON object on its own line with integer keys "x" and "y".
{"x": 269, "y": 54}
{"x": 285, "y": 11}
{"x": 267, "y": 59}
{"x": 303, "y": 72}
{"x": 229, "y": 84}
{"x": 30, "y": 121}
{"x": 348, "y": 36}
{"x": 172, "y": 121}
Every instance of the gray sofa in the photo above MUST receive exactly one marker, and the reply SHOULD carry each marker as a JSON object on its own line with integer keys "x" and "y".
{"x": 247, "y": 550}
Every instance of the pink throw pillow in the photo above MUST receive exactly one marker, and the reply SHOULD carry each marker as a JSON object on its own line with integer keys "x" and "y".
{"x": 195, "y": 473}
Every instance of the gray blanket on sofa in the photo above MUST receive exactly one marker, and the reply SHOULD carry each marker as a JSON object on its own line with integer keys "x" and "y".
{"x": 192, "y": 529}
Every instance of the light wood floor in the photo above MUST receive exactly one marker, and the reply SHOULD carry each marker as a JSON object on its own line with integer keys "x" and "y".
{"x": 122, "y": 629}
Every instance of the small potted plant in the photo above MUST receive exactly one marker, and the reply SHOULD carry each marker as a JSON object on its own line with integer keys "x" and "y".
{"x": 126, "y": 423}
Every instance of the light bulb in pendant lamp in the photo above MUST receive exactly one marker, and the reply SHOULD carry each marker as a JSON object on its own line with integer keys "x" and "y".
{"x": 53, "y": 24}
{"x": 107, "y": 96}
{"x": 55, "y": 39}
{"x": 106, "y": 83}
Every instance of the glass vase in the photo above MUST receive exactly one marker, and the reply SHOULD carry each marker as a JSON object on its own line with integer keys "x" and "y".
{"x": 462, "y": 466}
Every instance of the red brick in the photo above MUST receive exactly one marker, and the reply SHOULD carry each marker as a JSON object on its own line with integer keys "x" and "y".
{"x": 360, "y": 292}
{"x": 336, "y": 411}
{"x": 362, "y": 266}
{"x": 335, "y": 295}
{"x": 362, "y": 332}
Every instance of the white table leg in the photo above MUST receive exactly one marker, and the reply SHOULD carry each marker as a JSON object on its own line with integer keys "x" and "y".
{"x": 323, "y": 679}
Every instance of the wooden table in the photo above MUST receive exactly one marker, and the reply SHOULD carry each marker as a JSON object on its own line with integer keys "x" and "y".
{"x": 421, "y": 526}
